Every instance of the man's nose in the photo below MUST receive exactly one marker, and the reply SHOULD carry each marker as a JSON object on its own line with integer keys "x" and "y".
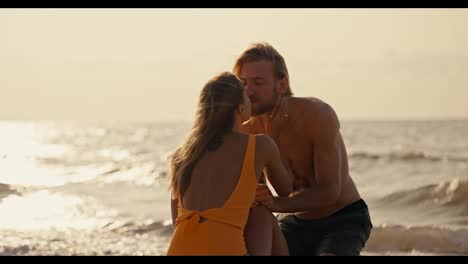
{"x": 250, "y": 89}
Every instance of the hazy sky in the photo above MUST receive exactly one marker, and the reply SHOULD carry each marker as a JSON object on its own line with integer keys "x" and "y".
{"x": 150, "y": 64}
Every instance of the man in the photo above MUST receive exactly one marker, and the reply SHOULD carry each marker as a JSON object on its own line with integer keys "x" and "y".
{"x": 325, "y": 214}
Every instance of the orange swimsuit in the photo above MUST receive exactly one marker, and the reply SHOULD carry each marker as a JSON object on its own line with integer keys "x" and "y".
{"x": 222, "y": 232}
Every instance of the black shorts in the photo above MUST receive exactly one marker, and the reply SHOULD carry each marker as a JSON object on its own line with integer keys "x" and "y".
{"x": 344, "y": 233}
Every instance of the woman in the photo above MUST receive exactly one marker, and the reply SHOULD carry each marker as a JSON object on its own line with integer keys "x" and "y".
{"x": 214, "y": 175}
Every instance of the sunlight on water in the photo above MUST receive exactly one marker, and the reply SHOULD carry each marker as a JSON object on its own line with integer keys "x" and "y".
{"x": 26, "y": 158}
{"x": 18, "y": 138}
{"x": 109, "y": 181}
{"x": 44, "y": 210}
{"x": 30, "y": 172}
{"x": 21, "y": 146}
{"x": 141, "y": 175}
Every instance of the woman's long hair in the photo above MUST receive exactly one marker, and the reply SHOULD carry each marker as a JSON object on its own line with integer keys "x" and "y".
{"x": 219, "y": 99}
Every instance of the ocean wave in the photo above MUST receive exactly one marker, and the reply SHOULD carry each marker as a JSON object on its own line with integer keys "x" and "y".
{"x": 161, "y": 228}
{"x": 79, "y": 243}
{"x": 433, "y": 239}
{"x": 6, "y": 190}
{"x": 451, "y": 195}
{"x": 406, "y": 156}
{"x": 396, "y": 238}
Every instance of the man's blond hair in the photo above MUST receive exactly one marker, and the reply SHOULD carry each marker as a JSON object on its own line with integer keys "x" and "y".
{"x": 264, "y": 51}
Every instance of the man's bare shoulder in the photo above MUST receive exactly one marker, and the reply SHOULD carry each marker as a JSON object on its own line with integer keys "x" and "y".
{"x": 312, "y": 108}
{"x": 317, "y": 119}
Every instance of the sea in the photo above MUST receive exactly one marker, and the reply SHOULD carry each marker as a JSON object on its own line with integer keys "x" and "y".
{"x": 101, "y": 188}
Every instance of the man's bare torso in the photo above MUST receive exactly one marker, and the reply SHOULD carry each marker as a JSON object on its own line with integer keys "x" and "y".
{"x": 298, "y": 149}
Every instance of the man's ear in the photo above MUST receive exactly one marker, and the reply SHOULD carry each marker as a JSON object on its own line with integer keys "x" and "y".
{"x": 283, "y": 85}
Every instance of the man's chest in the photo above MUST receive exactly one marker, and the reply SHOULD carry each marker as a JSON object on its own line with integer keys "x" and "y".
{"x": 299, "y": 153}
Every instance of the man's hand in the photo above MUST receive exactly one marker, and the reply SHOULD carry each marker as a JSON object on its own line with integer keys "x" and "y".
{"x": 264, "y": 196}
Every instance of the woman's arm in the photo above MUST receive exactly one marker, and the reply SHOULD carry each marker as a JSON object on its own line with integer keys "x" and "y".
{"x": 276, "y": 171}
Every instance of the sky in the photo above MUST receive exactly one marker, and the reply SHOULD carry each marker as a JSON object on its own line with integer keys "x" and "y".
{"x": 150, "y": 64}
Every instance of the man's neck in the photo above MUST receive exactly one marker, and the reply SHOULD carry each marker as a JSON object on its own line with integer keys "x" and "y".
{"x": 275, "y": 109}
{"x": 277, "y": 119}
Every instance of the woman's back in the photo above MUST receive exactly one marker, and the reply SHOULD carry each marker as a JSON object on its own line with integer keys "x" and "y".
{"x": 213, "y": 211}
{"x": 216, "y": 174}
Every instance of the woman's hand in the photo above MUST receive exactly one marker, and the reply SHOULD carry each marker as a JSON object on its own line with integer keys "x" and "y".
{"x": 264, "y": 196}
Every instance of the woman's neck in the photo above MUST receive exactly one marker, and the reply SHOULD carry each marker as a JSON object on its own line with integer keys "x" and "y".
{"x": 237, "y": 126}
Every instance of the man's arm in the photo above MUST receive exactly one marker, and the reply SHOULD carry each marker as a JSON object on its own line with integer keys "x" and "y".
{"x": 327, "y": 163}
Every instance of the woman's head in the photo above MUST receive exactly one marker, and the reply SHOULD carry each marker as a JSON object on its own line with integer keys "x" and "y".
{"x": 223, "y": 102}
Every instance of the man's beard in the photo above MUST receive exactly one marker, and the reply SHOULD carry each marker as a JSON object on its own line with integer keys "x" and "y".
{"x": 262, "y": 108}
